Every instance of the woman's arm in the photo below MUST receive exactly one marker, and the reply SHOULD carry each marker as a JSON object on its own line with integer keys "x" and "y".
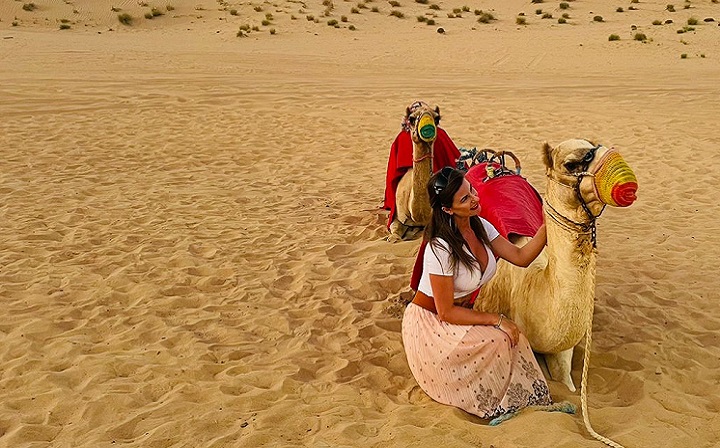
{"x": 520, "y": 256}
{"x": 442, "y": 287}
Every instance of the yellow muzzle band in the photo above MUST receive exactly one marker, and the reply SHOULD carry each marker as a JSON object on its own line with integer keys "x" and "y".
{"x": 615, "y": 182}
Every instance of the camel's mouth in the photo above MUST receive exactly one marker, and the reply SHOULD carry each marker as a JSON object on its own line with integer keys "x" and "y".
{"x": 615, "y": 181}
{"x": 427, "y": 131}
{"x": 624, "y": 194}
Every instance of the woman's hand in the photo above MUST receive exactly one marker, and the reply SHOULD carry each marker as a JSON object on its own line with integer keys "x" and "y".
{"x": 509, "y": 328}
{"x": 520, "y": 256}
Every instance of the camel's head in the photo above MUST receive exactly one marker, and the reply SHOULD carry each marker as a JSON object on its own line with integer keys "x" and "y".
{"x": 422, "y": 120}
{"x": 601, "y": 174}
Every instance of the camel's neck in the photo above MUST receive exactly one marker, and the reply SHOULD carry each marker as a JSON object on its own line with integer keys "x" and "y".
{"x": 571, "y": 256}
{"x": 422, "y": 170}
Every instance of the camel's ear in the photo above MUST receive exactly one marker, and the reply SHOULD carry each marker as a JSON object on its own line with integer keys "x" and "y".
{"x": 437, "y": 119}
{"x": 547, "y": 155}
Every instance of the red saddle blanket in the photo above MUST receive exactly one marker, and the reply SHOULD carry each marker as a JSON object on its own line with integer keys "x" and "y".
{"x": 445, "y": 153}
{"x": 508, "y": 202}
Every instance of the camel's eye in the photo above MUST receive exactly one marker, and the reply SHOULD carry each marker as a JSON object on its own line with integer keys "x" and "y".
{"x": 437, "y": 120}
{"x": 582, "y": 164}
{"x": 412, "y": 119}
{"x": 572, "y": 166}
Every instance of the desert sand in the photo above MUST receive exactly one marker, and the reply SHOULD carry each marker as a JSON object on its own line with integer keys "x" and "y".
{"x": 192, "y": 247}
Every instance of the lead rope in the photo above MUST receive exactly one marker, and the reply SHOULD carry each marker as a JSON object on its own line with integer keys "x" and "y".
{"x": 588, "y": 337}
{"x": 583, "y": 392}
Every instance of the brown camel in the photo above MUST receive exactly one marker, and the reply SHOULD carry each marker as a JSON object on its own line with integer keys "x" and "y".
{"x": 552, "y": 300}
{"x": 412, "y": 200}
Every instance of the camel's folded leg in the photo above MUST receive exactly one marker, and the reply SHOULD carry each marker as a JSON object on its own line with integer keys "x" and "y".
{"x": 397, "y": 231}
{"x": 560, "y": 367}
{"x": 412, "y": 232}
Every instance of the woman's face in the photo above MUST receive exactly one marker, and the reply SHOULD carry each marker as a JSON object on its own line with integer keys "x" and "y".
{"x": 465, "y": 202}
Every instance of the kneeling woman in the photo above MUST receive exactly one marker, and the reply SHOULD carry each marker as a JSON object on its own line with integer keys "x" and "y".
{"x": 475, "y": 361}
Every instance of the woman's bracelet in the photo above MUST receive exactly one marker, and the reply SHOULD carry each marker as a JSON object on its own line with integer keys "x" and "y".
{"x": 502, "y": 316}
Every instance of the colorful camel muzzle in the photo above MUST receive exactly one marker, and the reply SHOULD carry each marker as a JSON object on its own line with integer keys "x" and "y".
{"x": 427, "y": 131}
{"x": 614, "y": 181}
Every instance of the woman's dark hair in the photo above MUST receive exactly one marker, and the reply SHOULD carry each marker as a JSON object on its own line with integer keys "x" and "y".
{"x": 442, "y": 188}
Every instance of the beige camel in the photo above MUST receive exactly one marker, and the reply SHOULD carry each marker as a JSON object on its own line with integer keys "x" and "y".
{"x": 552, "y": 300}
{"x": 411, "y": 196}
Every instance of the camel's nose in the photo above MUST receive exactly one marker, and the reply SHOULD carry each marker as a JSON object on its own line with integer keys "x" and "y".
{"x": 427, "y": 130}
{"x": 624, "y": 193}
{"x": 615, "y": 181}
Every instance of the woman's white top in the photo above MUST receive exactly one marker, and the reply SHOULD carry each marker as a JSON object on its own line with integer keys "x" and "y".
{"x": 437, "y": 261}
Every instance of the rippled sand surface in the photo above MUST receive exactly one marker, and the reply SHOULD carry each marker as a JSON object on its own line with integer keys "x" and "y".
{"x": 192, "y": 252}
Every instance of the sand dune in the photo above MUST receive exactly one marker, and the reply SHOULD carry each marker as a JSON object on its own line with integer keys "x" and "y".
{"x": 192, "y": 248}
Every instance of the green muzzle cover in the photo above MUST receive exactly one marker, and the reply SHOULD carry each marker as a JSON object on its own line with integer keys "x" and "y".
{"x": 426, "y": 128}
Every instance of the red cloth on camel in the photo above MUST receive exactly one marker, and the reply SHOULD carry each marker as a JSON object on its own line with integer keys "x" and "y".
{"x": 445, "y": 153}
{"x": 508, "y": 202}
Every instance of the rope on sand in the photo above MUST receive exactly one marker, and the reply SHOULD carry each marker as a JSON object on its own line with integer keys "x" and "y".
{"x": 583, "y": 392}
{"x": 566, "y": 407}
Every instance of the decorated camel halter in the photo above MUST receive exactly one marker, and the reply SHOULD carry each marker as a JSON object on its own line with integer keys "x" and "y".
{"x": 614, "y": 184}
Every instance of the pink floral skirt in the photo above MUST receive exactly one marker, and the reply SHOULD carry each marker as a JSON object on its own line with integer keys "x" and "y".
{"x": 471, "y": 367}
